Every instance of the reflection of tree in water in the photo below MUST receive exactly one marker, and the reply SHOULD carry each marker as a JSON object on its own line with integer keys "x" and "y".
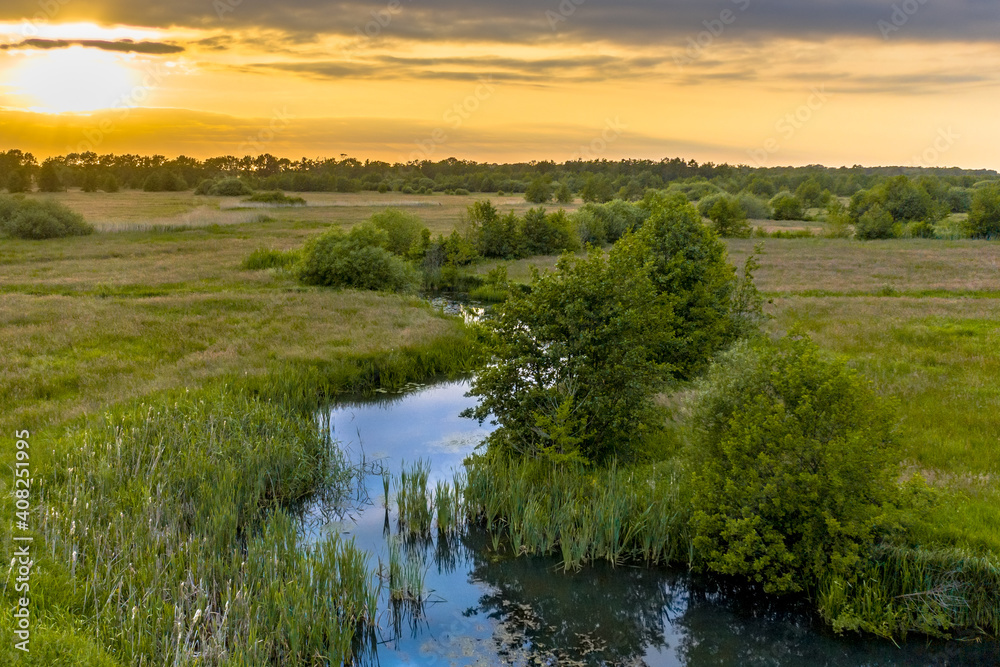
{"x": 731, "y": 624}
{"x": 601, "y": 615}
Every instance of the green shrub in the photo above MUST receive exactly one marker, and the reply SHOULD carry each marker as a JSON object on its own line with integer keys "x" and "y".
{"x": 874, "y": 223}
{"x": 405, "y": 230}
{"x": 547, "y": 234}
{"x": 230, "y": 187}
{"x": 264, "y": 258}
{"x": 590, "y": 227}
{"x": 756, "y": 208}
{"x": 494, "y": 235}
{"x": 614, "y": 219}
{"x": 44, "y": 219}
{"x": 728, "y": 217}
{"x": 359, "y": 259}
{"x": 919, "y": 230}
{"x": 275, "y": 197}
{"x": 787, "y": 206}
{"x": 794, "y": 466}
{"x": 110, "y": 183}
{"x": 539, "y": 191}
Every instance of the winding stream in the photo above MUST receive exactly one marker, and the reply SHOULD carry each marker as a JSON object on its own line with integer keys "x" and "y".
{"x": 487, "y": 608}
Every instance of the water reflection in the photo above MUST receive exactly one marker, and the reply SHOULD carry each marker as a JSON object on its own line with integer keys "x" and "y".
{"x": 484, "y": 607}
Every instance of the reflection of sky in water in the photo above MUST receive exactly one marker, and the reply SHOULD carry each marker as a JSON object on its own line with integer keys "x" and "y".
{"x": 488, "y": 608}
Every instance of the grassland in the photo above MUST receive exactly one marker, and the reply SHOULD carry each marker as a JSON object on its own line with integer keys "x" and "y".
{"x": 156, "y": 302}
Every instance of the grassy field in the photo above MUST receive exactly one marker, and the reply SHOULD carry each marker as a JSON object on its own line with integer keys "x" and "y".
{"x": 156, "y": 302}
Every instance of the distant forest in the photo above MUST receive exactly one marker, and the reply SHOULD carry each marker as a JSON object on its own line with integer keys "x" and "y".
{"x": 593, "y": 181}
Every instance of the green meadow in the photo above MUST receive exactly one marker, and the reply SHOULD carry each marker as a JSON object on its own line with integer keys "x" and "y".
{"x": 148, "y": 347}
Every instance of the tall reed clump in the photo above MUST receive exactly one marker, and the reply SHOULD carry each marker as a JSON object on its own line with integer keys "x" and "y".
{"x": 413, "y": 499}
{"x": 582, "y": 514}
{"x": 172, "y": 516}
{"x": 901, "y": 590}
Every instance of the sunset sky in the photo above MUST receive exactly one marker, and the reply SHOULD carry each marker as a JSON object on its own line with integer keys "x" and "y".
{"x": 761, "y": 82}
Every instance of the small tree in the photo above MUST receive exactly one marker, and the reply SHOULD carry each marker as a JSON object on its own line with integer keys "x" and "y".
{"x": 570, "y": 374}
{"x": 48, "y": 178}
{"x": 359, "y": 259}
{"x": 794, "y": 466}
{"x": 19, "y": 181}
{"x": 874, "y": 223}
{"x": 729, "y": 218}
{"x": 787, "y": 206}
{"x": 110, "y": 183}
{"x": 405, "y": 231}
{"x": 539, "y": 191}
{"x": 563, "y": 194}
{"x": 984, "y": 214}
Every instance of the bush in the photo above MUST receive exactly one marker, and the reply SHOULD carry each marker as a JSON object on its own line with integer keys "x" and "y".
{"x": 493, "y": 235}
{"x": 794, "y": 466}
{"x": 787, "y": 206}
{"x": 538, "y": 192}
{"x": 984, "y": 215}
{"x": 728, "y": 217}
{"x": 230, "y": 187}
{"x": 548, "y": 234}
{"x": 875, "y": 223}
{"x": 406, "y": 231}
{"x": 110, "y": 183}
{"x": 570, "y": 373}
{"x": 755, "y": 207}
{"x": 589, "y": 227}
{"x": 359, "y": 259}
{"x": 275, "y": 197}
{"x": 614, "y": 219}
{"x": 32, "y": 219}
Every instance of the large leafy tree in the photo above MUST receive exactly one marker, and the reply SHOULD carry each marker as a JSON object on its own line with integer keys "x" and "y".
{"x": 689, "y": 268}
{"x": 984, "y": 215}
{"x": 571, "y": 364}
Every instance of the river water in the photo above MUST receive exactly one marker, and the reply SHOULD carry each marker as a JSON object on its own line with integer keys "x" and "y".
{"x": 485, "y": 607}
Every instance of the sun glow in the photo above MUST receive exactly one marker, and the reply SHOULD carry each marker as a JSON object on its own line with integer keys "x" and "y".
{"x": 76, "y": 79}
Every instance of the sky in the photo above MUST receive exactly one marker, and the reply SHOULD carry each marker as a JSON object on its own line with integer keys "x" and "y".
{"x": 758, "y": 82}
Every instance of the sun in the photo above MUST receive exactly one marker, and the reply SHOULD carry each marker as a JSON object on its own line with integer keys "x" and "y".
{"x": 76, "y": 79}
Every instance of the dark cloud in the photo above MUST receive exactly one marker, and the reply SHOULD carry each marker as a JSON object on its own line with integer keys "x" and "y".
{"x": 632, "y": 22}
{"x": 122, "y": 45}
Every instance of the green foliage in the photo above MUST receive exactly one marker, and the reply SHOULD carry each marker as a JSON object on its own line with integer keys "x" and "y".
{"x": 874, "y": 223}
{"x": 569, "y": 369}
{"x": 495, "y": 235}
{"x": 49, "y": 179}
{"x": 547, "y": 234}
{"x": 597, "y": 189}
{"x": 405, "y": 230}
{"x": 230, "y": 187}
{"x": 793, "y": 468}
{"x": 164, "y": 181}
{"x": 728, "y": 217}
{"x": 610, "y": 221}
{"x": 275, "y": 197}
{"x": 359, "y": 259}
{"x": 811, "y": 193}
{"x": 19, "y": 181}
{"x": 40, "y": 219}
{"x": 110, "y": 183}
{"x": 539, "y": 191}
{"x": 265, "y": 258}
{"x": 787, "y": 206}
{"x": 690, "y": 269}
{"x": 838, "y": 221}
{"x": 984, "y": 214}
{"x": 563, "y": 194}
{"x": 755, "y": 207}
